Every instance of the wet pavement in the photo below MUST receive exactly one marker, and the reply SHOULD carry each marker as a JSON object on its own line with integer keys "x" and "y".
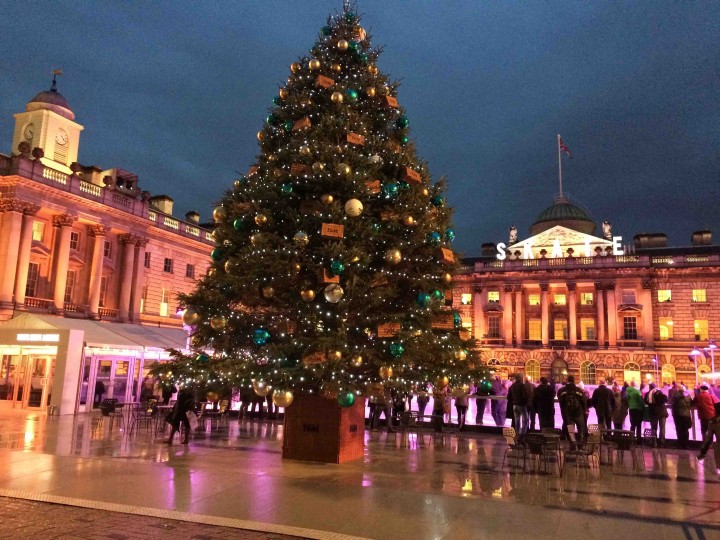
{"x": 453, "y": 487}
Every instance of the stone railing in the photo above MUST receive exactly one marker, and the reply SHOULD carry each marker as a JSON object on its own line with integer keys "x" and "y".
{"x": 620, "y": 261}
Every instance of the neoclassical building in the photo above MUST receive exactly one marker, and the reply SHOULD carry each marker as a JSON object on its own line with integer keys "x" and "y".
{"x": 84, "y": 248}
{"x": 568, "y": 301}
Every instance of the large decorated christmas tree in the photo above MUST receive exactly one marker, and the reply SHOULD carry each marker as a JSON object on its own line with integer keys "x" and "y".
{"x": 333, "y": 264}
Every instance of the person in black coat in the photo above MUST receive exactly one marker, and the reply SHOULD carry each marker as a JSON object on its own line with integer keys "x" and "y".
{"x": 604, "y": 403}
{"x": 544, "y": 403}
{"x": 178, "y": 415}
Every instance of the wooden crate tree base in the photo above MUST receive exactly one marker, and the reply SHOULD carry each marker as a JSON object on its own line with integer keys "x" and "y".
{"x": 318, "y": 429}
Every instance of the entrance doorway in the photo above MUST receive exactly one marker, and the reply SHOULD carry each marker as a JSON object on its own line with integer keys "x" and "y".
{"x": 26, "y": 380}
{"x": 115, "y": 373}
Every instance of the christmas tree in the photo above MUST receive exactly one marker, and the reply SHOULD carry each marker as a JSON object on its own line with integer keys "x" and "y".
{"x": 333, "y": 263}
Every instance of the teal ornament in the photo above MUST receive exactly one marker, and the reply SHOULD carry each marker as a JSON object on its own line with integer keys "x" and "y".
{"x": 363, "y": 57}
{"x": 403, "y": 185}
{"x": 396, "y": 349}
{"x": 326, "y": 30}
{"x": 403, "y": 122}
{"x": 217, "y": 254}
{"x": 423, "y": 300}
{"x": 485, "y": 386}
{"x": 353, "y": 45}
{"x": 277, "y": 100}
{"x": 286, "y": 189}
{"x": 390, "y": 190}
{"x": 350, "y": 16}
{"x": 271, "y": 119}
{"x": 351, "y": 94}
{"x": 433, "y": 238}
{"x": 203, "y": 358}
{"x": 404, "y": 140}
{"x": 337, "y": 268}
{"x": 437, "y": 200}
{"x": 457, "y": 319}
{"x": 238, "y": 224}
{"x": 449, "y": 235}
{"x": 346, "y": 399}
{"x": 438, "y": 295}
{"x": 288, "y": 125}
{"x": 260, "y": 336}
{"x": 375, "y": 227}
{"x": 241, "y": 180}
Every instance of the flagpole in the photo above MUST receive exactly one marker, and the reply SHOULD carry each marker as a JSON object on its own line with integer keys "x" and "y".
{"x": 560, "y": 166}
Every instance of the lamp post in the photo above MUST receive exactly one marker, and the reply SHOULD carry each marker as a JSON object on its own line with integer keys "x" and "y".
{"x": 694, "y": 357}
{"x": 655, "y": 365}
{"x": 711, "y": 349}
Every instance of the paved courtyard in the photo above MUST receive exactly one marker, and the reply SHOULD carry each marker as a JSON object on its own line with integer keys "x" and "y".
{"x": 235, "y": 478}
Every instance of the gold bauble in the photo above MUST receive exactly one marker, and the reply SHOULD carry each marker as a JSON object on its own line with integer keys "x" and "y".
{"x": 393, "y": 256}
{"x": 372, "y": 69}
{"x": 314, "y": 64}
{"x": 295, "y": 266}
{"x": 333, "y": 293}
{"x": 385, "y": 372}
{"x": 295, "y": 67}
{"x": 327, "y": 199}
{"x": 442, "y": 382}
{"x": 426, "y": 192}
{"x": 306, "y": 102}
{"x": 218, "y": 322}
{"x": 196, "y": 341}
{"x": 212, "y": 272}
{"x": 307, "y": 294}
{"x": 344, "y": 169}
{"x": 260, "y": 136}
{"x": 237, "y": 184}
{"x": 190, "y": 317}
{"x": 301, "y": 239}
{"x": 370, "y": 91}
{"x": 219, "y": 213}
{"x": 359, "y": 34}
{"x": 277, "y": 173}
{"x": 304, "y": 150}
{"x": 231, "y": 265}
{"x": 261, "y": 388}
{"x": 356, "y": 361}
{"x": 337, "y": 97}
{"x": 409, "y": 221}
{"x": 268, "y": 291}
{"x": 338, "y": 149}
{"x": 271, "y": 157}
{"x": 334, "y": 355}
{"x": 283, "y": 93}
{"x": 337, "y": 68}
{"x": 318, "y": 166}
{"x": 255, "y": 238}
{"x": 260, "y": 219}
{"x": 460, "y": 354}
{"x": 282, "y": 398}
{"x": 343, "y": 45}
{"x": 447, "y": 277}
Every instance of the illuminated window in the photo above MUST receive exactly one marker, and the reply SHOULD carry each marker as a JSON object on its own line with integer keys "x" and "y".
{"x": 668, "y": 374}
{"x": 38, "y": 231}
{"x": 535, "y": 329}
{"x": 666, "y": 328}
{"x": 699, "y": 295}
{"x": 631, "y": 372}
{"x": 701, "y": 330}
{"x": 466, "y": 299}
{"x": 107, "y": 249}
{"x": 103, "y": 290}
{"x": 587, "y": 372}
{"x": 558, "y": 370}
{"x": 493, "y": 327}
{"x": 628, "y": 296}
{"x": 74, "y": 241}
{"x": 664, "y": 295}
{"x": 560, "y": 327}
{"x": 559, "y": 299}
{"x": 630, "y": 328}
{"x": 533, "y": 299}
{"x": 70, "y": 285}
{"x": 586, "y": 299}
{"x": 164, "y": 303}
{"x": 532, "y": 370}
{"x": 143, "y": 299}
{"x": 494, "y": 296}
{"x": 32, "y": 279}
{"x": 587, "y": 329}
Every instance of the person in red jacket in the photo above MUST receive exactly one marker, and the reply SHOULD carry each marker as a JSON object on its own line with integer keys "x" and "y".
{"x": 705, "y": 403}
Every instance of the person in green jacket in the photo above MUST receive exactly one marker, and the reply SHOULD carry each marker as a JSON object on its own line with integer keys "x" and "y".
{"x": 637, "y": 409}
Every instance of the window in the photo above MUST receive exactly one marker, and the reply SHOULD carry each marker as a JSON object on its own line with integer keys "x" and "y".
{"x": 587, "y": 373}
{"x": 75, "y": 240}
{"x": 107, "y": 250}
{"x": 103, "y": 290}
{"x": 164, "y": 303}
{"x": 168, "y": 265}
{"x": 668, "y": 374}
{"x": 535, "y": 329}
{"x": 38, "y": 231}
{"x": 586, "y": 299}
{"x": 631, "y": 372}
{"x": 147, "y": 260}
{"x": 190, "y": 271}
{"x": 494, "y": 296}
{"x": 630, "y": 328}
{"x": 532, "y": 370}
{"x": 699, "y": 295}
{"x": 701, "y": 330}
{"x": 466, "y": 299}
{"x": 628, "y": 296}
{"x": 533, "y": 299}
{"x": 70, "y": 285}
{"x": 560, "y": 327}
{"x": 666, "y": 328}
{"x": 664, "y": 295}
{"x": 493, "y": 327}
{"x": 32, "y": 279}
{"x": 587, "y": 330}
{"x": 558, "y": 370}
{"x": 143, "y": 298}
{"x": 559, "y": 299}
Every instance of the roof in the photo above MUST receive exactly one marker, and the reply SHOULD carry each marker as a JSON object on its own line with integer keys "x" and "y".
{"x": 53, "y": 100}
{"x": 562, "y": 211}
{"x": 104, "y": 334}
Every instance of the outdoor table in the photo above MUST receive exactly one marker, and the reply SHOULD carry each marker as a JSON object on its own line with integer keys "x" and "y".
{"x": 160, "y": 417}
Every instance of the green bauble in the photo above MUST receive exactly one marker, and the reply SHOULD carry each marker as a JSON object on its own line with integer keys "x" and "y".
{"x": 277, "y": 100}
{"x": 337, "y": 268}
{"x": 271, "y": 119}
{"x": 433, "y": 238}
{"x": 390, "y": 190}
{"x": 396, "y": 349}
{"x": 403, "y": 185}
{"x": 423, "y": 300}
{"x": 437, "y": 200}
{"x": 288, "y": 126}
{"x": 404, "y": 140}
{"x": 326, "y": 30}
{"x": 203, "y": 358}
{"x": 286, "y": 189}
{"x": 238, "y": 224}
{"x": 438, "y": 295}
{"x": 485, "y": 386}
{"x": 375, "y": 227}
{"x": 351, "y": 94}
{"x": 353, "y": 45}
{"x": 363, "y": 57}
{"x": 403, "y": 122}
{"x": 350, "y": 16}
{"x": 217, "y": 254}
{"x": 346, "y": 399}
{"x": 457, "y": 319}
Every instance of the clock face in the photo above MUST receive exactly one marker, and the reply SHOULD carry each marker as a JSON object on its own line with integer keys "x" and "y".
{"x": 29, "y": 131}
{"x": 62, "y": 137}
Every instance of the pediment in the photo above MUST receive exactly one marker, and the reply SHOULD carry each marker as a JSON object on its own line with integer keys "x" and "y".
{"x": 40, "y": 249}
{"x": 566, "y": 238}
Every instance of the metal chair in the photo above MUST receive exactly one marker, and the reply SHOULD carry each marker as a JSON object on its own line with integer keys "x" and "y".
{"x": 143, "y": 413}
{"x": 584, "y": 451}
{"x": 108, "y": 409}
{"x": 625, "y": 441}
{"x": 540, "y": 448}
{"x": 513, "y": 450}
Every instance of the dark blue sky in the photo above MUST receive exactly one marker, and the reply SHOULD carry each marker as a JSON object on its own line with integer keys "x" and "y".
{"x": 176, "y": 91}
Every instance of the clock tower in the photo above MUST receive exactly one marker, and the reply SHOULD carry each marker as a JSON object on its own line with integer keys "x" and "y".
{"x": 48, "y": 123}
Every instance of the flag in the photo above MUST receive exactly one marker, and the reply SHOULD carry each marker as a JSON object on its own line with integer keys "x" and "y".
{"x": 564, "y": 147}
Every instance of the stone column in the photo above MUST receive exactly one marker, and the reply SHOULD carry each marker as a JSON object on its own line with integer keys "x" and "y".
{"x": 519, "y": 316}
{"x": 545, "y": 310}
{"x": 507, "y": 315}
{"x": 12, "y": 209}
{"x": 24, "y": 253}
{"x": 612, "y": 316}
{"x": 647, "y": 313}
{"x": 600, "y": 304}
{"x": 126, "y": 277}
{"x": 572, "y": 314}
{"x": 138, "y": 278}
{"x": 480, "y": 327}
{"x": 63, "y": 222}
{"x": 97, "y": 232}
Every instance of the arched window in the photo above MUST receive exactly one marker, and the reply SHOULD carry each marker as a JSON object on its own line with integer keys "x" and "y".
{"x": 532, "y": 370}
{"x": 703, "y": 368}
{"x": 558, "y": 370}
{"x": 668, "y": 374}
{"x": 587, "y": 372}
{"x": 631, "y": 372}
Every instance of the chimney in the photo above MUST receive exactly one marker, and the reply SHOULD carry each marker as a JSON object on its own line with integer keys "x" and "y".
{"x": 162, "y": 203}
{"x": 192, "y": 216}
{"x": 702, "y": 238}
{"x": 488, "y": 250}
{"x": 650, "y": 240}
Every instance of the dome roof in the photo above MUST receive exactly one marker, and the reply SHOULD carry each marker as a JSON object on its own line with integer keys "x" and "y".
{"x": 51, "y": 100}
{"x": 566, "y": 214}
